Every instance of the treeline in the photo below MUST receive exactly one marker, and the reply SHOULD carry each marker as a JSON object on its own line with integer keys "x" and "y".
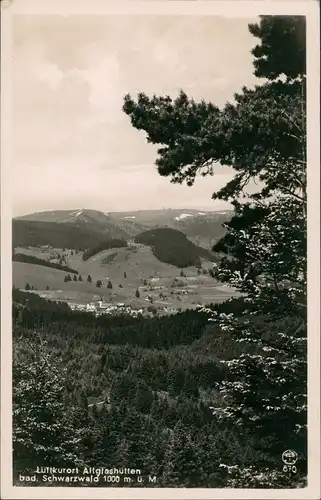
{"x": 30, "y": 259}
{"x": 104, "y": 245}
{"x": 157, "y": 332}
{"x": 33, "y": 302}
{"x": 173, "y": 247}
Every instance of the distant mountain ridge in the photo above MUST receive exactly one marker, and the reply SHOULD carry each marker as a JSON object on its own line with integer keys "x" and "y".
{"x": 141, "y": 216}
{"x": 67, "y": 216}
{"x": 202, "y": 227}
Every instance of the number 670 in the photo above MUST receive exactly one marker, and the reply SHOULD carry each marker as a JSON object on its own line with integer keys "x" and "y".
{"x": 289, "y": 468}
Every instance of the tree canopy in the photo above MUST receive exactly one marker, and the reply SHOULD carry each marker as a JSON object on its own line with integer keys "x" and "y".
{"x": 281, "y": 50}
{"x": 262, "y": 134}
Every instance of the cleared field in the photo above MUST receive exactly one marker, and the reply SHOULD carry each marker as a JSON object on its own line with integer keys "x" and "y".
{"x": 128, "y": 269}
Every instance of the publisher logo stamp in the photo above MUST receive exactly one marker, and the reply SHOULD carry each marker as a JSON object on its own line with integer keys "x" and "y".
{"x": 289, "y": 458}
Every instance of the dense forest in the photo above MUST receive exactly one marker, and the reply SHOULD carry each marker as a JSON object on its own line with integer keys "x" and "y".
{"x": 104, "y": 245}
{"x": 30, "y": 259}
{"x": 173, "y": 247}
{"x": 156, "y": 377}
{"x": 57, "y": 235}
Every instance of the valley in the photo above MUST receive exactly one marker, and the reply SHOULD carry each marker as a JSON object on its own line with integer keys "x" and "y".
{"x": 138, "y": 275}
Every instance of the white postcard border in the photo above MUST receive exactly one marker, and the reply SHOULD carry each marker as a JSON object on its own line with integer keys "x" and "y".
{"x": 236, "y": 8}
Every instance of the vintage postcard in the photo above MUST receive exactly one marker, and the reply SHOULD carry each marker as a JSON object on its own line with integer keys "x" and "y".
{"x": 160, "y": 249}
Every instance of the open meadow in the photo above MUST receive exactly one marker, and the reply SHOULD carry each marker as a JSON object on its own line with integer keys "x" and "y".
{"x": 128, "y": 270}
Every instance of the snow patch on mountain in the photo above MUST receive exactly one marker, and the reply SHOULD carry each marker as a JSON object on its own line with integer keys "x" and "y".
{"x": 183, "y": 216}
{"x": 73, "y": 216}
{"x": 129, "y": 217}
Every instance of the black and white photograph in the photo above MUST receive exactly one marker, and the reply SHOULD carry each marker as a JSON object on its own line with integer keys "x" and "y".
{"x": 160, "y": 209}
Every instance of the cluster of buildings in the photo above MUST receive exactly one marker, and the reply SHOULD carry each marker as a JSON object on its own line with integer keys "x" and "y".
{"x": 101, "y": 307}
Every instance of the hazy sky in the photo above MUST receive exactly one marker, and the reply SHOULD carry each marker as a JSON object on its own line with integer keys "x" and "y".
{"x": 73, "y": 145}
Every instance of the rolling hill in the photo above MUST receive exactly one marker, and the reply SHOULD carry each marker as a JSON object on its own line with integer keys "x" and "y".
{"x": 203, "y": 228}
{"x": 173, "y": 247}
{"x": 104, "y": 245}
{"x": 129, "y": 269}
{"x": 60, "y": 235}
{"x": 86, "y": 219}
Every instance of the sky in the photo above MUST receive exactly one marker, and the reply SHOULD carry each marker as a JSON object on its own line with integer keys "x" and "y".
{"x": 74, "y": 147}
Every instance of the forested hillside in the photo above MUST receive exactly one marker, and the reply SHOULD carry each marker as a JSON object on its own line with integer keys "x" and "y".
{"x": 104, "y": 245}
{"x": 31, "y": 259}
{"x": 172, "y": 246}
{"x": 156, "y": 378}
{"x": 59, "y": 235}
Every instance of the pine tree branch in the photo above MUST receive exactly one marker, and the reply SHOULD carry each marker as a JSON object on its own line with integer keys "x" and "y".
{"x": 298, "y": 127}
{"x": 287, "y": 190}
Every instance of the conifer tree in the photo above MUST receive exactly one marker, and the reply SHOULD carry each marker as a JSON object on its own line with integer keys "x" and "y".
{"x": 85, "y": 428}
{"x": 94, "y": 412}
{"x": 143, "y": 398}
{"x": 107, "y": 445}
{"x": 123, "y": 388}
{"x": 41, "y": 429}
